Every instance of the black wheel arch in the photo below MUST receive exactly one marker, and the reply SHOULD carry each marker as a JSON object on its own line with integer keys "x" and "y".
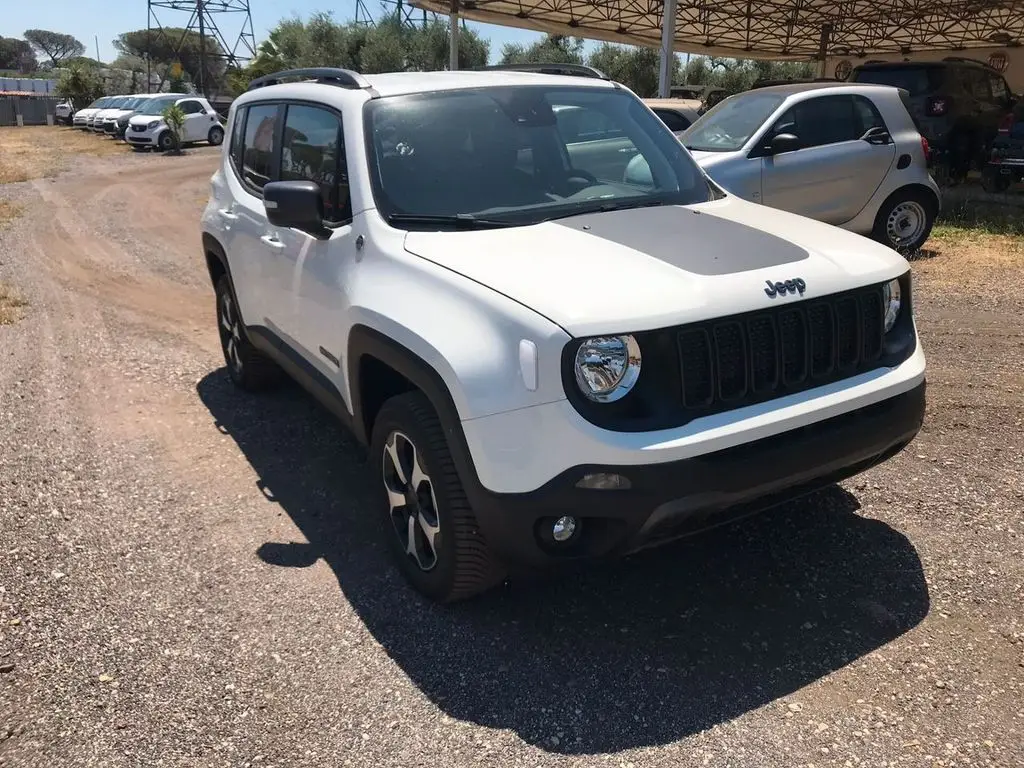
{"x": 379, "y": 368}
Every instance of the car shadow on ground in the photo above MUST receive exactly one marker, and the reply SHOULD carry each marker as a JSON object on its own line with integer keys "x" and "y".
{"x": 640, "y": 652}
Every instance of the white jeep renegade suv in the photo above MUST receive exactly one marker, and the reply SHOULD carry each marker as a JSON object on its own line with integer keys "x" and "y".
{"x": 546, "y": 362}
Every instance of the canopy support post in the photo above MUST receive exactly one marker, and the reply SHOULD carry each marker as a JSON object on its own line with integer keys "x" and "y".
{"x": 668, "y": 34}
{"x": 826, "y": 38}
{"x": 453, "y": 36}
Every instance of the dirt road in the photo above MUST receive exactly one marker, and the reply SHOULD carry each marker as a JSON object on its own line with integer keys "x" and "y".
{"x": 193, "y": 577}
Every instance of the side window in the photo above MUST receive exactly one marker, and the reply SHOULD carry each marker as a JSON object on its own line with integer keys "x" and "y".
{"x": 822, "y": 120}
{"x": 977, "y": 84}
{"x": 191, "y": 107}
{"x": 258, "y": 144}
{"x": 313, "y": 150}
{"x": 673, "y": 120}
{"x": 577, "y": 124}
{"x": 868, "y": 114}
{"x": 237, "y": 133}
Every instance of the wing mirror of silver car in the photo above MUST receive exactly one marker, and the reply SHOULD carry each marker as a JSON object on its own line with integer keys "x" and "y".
{"x": 784, "y": 142}
{"x": 295, "y": 204}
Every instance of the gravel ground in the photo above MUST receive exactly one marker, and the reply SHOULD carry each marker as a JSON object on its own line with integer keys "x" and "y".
{"x": 192, "y": 577}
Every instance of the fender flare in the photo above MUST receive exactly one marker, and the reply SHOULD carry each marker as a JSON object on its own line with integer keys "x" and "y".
{"x": 365, "y": 341}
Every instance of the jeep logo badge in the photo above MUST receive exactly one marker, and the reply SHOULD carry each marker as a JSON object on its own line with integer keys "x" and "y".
{"x": 781, "y": 289}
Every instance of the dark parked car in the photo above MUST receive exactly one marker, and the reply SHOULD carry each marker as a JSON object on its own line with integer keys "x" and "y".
{"x": 1006, "y": 160}
{"x": 958, "y": 104}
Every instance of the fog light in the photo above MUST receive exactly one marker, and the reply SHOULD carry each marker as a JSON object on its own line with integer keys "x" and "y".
{"x": 604, "y": 481}
{"x": 563, "y": 529}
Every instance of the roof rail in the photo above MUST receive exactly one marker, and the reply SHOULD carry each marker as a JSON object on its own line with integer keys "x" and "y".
{"x": 578, "y": 70}
{"x": 345, "y": 78}
{"x": 967, "y": 60}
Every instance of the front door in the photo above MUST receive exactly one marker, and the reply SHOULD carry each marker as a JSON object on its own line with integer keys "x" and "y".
{"x": 313, "y": 265}
{"x": 197, "y": 122}
{"x": 845, "y": 153}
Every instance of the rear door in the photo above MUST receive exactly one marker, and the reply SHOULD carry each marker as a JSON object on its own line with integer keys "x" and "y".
{"x": 845, "y": 155}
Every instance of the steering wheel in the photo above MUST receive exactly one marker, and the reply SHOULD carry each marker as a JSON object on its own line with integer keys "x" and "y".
{"x": 575, "y": 174}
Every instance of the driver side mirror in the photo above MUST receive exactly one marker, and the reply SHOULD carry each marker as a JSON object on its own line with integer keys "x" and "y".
{"x": 784, "y": 142}
{"x": 295, "y": 204}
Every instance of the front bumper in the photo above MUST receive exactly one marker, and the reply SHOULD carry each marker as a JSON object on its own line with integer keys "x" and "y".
{"x": 141, "y": 138}
{"x": 672, "y": 499}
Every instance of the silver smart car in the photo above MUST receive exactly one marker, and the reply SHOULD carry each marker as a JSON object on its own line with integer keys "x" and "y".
{"x": 846, "y": 154}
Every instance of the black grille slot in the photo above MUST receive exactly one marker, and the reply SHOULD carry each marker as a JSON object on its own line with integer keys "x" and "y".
{"x": 695, "y": 358}
{"x": 793, "y": 335}
{"x": 764, "y": 354}
{"x": 847, "y": 332}
{"x": 734, "y": 361}
{"x": 730, "y": 360}
{"x": 871, "y": 312}
{"x": 821, "y": 322}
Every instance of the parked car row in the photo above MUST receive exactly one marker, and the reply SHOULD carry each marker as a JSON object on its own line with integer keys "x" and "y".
{"x": 138, "y": 119}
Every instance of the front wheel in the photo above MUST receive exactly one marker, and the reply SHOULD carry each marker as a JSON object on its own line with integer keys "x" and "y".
{"x": 216, "y": 136}
{"x": 165, "y": 142}
{"x": 905, "y": 220}
{"x": 429, "y": 525}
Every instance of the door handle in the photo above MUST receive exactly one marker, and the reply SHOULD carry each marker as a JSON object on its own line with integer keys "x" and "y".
{"x": 273, "y": 242}
{"x": 227, "y": 215}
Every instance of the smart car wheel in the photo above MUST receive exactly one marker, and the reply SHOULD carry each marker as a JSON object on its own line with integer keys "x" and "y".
{"x": 429, "y": 525}
{"x": 904, "y": 222}
{"x": 166, "y": 141}
{"x": 248, "y": 368}
{"x": 216, "y": 135}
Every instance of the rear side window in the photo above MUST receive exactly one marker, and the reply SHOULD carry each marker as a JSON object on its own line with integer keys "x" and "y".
{"x": 258, "y": 144}
{"x": 868, "y": 114}
{"x": 998, "y": 87}
{"x": 237, "y": 133}
{"x": 673, "y": 120}
{"x": 916, "y": 80}
{"x": 312, "y": 149}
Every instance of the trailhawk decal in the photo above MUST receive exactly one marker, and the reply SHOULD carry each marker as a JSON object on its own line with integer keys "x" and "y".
{"x": 698, "y": 242}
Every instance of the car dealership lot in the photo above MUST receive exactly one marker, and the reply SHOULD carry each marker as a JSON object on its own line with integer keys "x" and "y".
{"x": 191, "y": 578}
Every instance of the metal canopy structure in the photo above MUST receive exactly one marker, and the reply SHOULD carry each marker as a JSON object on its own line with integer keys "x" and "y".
{"x": 765, "y": 29}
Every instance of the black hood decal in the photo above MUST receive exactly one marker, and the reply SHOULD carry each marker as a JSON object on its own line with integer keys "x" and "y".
{"x": 695, "y": 241}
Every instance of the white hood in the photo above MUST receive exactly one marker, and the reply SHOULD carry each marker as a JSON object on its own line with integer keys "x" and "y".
{"x": 646, "y": 268}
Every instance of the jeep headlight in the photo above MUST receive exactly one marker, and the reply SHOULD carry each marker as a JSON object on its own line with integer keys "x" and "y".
{"x": 153, "y": 124}
{"x": 607, "y": 367}
{"x": 891, "y": 303}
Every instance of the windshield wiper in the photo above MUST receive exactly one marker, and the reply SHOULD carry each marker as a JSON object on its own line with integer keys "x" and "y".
{"x": 619, "y": 205}
{"x": 460, "y": 220}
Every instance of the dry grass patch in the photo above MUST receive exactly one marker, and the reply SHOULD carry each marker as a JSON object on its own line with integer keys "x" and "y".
{"x": 8, "y": 212}
{"x": 11, "y": 305}
{"x": 38, "y": 151}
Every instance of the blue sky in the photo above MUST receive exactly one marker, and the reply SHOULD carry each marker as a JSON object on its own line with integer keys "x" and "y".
{"x": 106, "y": 19}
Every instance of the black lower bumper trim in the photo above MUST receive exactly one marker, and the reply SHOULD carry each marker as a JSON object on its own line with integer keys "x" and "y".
{"x": 669, "y": 500}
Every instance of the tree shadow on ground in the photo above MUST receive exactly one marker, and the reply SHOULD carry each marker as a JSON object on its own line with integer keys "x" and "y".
{"x": 636, "y": 653}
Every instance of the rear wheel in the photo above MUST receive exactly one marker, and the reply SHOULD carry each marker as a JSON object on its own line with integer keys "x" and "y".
{"x": 248, "y": 368}
{"x": 905, "y": 220}
{"x": 216, "y": 135}
{"x": 429, "y": 525}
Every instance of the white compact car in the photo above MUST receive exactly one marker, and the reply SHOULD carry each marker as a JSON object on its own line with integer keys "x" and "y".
{"x": 546, "y": 363}
{"x": 847, "y": 154}
{"x": 150, "y": 131}
{"x": 63, "y": 111}
{"x": 113, "y": 107}
{"x": 83, "y": 116}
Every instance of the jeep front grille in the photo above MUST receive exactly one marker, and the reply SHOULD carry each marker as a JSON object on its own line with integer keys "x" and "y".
{"x": 735, "y": 361}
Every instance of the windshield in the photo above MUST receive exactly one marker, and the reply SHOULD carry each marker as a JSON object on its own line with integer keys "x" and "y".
{"x": 915, "y": 80}
{"x": 522, "y": 154}
{"x": 730, "y": 124}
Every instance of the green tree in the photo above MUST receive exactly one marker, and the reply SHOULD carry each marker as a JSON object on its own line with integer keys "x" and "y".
{"x": 636, "y": 68}
{"x": 552, "y": 49}
{"x": 79, "y": 83}
{"x": 17, "y": 55}
{"x": 56, "y": 45}
{"x": 175, "y": 119}
{"x": 173, "y": 45}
